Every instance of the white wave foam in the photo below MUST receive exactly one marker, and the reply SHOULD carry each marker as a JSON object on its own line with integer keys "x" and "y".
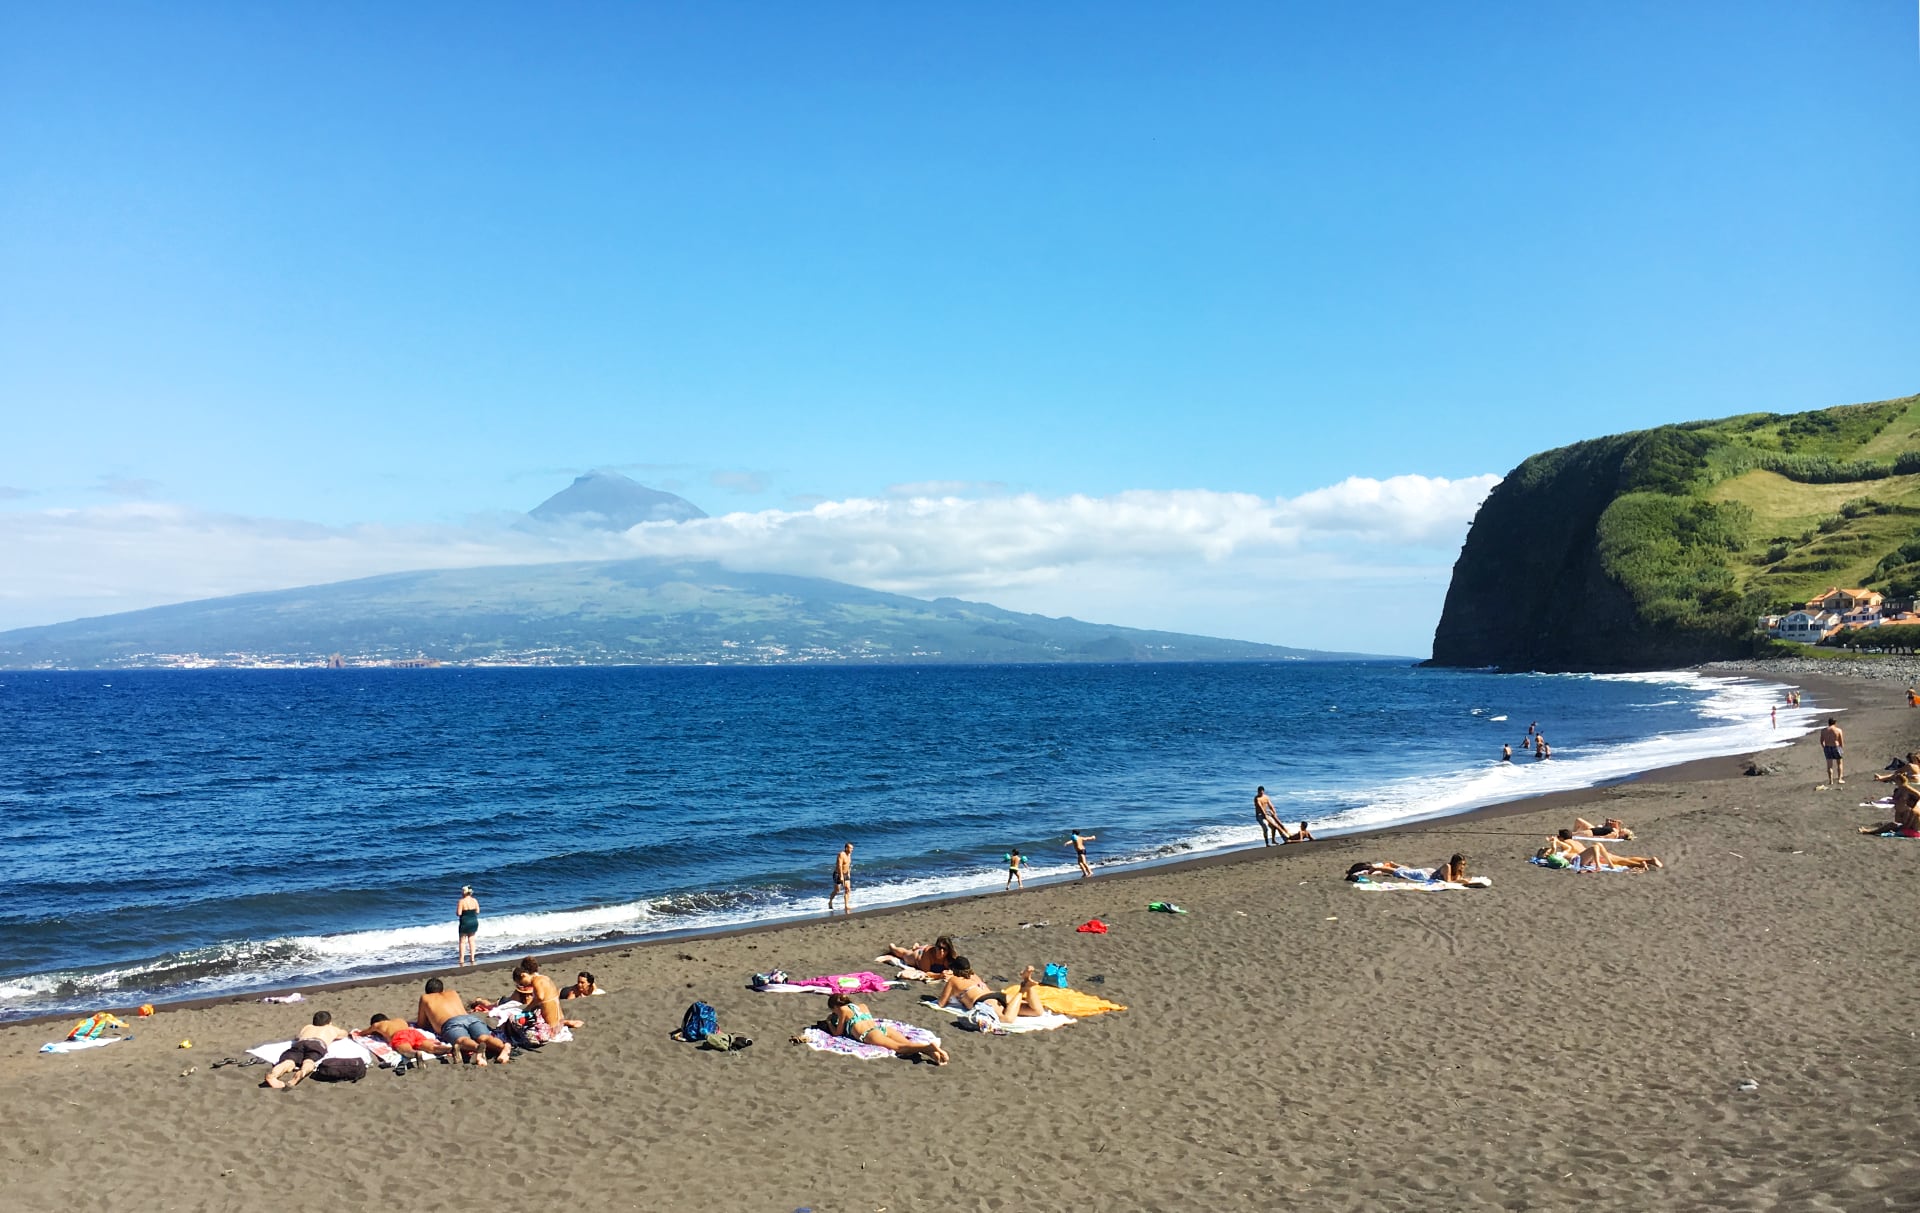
{"x": 1737, "y": 713}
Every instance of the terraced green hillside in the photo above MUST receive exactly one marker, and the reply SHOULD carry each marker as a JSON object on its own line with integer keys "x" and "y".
{"x": 1661, "y": 546}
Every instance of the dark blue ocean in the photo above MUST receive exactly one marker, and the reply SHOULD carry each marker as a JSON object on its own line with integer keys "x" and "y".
{"x": 182, "y": 833}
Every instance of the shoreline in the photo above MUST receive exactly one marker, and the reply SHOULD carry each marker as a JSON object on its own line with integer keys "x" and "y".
{"x": 1720, "y": 1034}
{"x": 1827, "y": 689}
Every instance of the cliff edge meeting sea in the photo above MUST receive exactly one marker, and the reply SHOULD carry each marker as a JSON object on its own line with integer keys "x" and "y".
{"x": 182, "y": 835}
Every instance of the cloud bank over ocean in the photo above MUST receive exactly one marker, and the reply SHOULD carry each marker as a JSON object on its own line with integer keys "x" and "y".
{"x": 1351, "y": 565}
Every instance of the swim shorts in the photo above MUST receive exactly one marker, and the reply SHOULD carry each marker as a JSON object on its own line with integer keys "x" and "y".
{"x": 408, "y": 1038}
{"x": 305, "y": 1050}
{"x": 1833, "y": 752}
{"x": 464, "y": 1027}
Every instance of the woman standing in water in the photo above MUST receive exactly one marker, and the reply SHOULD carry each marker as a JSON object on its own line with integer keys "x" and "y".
{"x": 469, "y": 911}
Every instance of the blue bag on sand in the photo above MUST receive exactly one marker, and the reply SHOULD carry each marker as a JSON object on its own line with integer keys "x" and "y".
{"x": 1054, "y": 975}
{"x": 699, "y": 1022}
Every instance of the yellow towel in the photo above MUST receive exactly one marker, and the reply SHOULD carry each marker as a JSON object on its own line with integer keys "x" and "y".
{"x": 1068, "y": 1002}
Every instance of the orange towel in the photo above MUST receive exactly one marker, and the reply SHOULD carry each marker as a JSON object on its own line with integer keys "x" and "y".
{"x": 1068, "y": 1002}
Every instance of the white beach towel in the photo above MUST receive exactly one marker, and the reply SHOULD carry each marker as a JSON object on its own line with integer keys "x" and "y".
{"x": 906, "y": 970}
{"x": 340, "y": 1048}
{"x": 1023, "y": 1023}
{"x": 1428, "y": 886}
{"x": 74, "y": 1046}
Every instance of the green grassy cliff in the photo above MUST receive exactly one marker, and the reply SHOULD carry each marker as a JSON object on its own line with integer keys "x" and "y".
{"x": 1661, "y": 547}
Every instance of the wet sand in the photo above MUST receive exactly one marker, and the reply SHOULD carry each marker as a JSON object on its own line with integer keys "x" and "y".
{"x": 1558, "y": 1040}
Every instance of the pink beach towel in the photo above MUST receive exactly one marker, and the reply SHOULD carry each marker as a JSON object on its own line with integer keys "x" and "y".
{"x": 847, "y": 983}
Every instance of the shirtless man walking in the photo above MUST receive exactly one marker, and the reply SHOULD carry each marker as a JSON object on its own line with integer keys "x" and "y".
{"x": 1831, "y": 741}
{"x": 842, "y": 880}
{"x": 442, "y": 1012}
{"x": 1268, "y": 816}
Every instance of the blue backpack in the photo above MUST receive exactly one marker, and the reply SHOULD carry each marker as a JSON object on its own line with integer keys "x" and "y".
{"x": 1054, "y": 975}
{"x": 699, "y": 1022}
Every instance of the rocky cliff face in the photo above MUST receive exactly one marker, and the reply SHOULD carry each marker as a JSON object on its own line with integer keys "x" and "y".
{"x": 1532, "y": 591}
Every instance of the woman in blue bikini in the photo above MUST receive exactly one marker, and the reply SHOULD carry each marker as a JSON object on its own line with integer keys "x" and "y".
{"x": 855, "y": 1022}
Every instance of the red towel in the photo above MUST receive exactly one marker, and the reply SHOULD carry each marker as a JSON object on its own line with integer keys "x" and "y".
{"x": 1092, "y": 926}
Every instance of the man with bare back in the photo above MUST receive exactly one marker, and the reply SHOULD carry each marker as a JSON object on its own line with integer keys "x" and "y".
{"x": 1268, "y": 816}
{"x": 442, "y": 1012}
{"x": 1831, "y": 741}
{"x": 842, "y": 880}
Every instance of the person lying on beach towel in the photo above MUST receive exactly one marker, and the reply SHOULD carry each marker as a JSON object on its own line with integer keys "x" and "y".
{"x": 1612, "y": 827}
{"x": 852, "y": 1020}
{"x": 305, "y": 1051}
{"x": 962, "y": 986}
{"x": 935, "y": 957}
{"x": 990, "y": 1010}
{"x": 1561, "y": 851}
{"x": 442, "y": 1012}
{"x": 1059, "y": 1000}
{"x": 584, "y": 986}
{"x": 1595, "y": 857}
{"x": 407, "y": 1040}
{"x": 1400, "y": 871}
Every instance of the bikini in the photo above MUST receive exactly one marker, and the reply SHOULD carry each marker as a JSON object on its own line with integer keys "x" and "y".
{"x": 858, "y": 1025}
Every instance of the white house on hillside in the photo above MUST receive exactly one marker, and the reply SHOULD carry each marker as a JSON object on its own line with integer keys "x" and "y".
{"x": 1807, "y": 626}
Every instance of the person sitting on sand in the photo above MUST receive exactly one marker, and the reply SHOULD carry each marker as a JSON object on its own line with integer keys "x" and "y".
{"x": 1300, "y": 835}
{"x": 1612, "y": 827}
{"x": 545, "y": 996}
{"x": 583, "y": 986}
{"x": 407, "y": 1040}
{"x": 935, "y": 957}
{"x": 1905, "y": 823}
{"x": 1906, "y": 811}
{"x": 1595, "y": 856}
{"x": 305, "y": 1053}
{"x": 854, "y": 1021}
{"x": 442, "y": 1012}
{"x": 1908, "y": 766}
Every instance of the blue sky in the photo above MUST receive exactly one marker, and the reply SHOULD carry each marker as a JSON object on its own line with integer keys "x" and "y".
{"x": 371, "y": 271}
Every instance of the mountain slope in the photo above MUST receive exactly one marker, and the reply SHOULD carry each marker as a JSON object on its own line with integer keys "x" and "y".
{"x": 613, "y": 612}
{"x": 1660, "y": 547}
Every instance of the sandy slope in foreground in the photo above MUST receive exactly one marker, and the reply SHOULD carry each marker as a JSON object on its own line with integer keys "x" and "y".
{"x": 1558, "y": 1040}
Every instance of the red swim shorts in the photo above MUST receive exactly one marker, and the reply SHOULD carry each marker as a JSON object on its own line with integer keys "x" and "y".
{"x": 409, "y": 1038}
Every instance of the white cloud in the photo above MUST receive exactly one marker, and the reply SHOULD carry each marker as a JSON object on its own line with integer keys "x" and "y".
{"x": 1192, "y": 560}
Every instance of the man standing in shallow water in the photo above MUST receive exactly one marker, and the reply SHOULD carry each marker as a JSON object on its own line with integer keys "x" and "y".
{"x": 842, "y": 880}
{"x": 1079, "y": 843}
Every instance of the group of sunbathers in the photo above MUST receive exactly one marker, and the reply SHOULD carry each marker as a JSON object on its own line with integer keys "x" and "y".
{"x": 446, "y": 1026}
{"x": 960, "y": 987}
{"x": 1904, "y": 775}
{"x": 1582, "y": 848}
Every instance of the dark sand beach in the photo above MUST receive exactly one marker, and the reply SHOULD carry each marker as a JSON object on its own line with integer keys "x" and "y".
{"x": 1556, "y": 1041}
